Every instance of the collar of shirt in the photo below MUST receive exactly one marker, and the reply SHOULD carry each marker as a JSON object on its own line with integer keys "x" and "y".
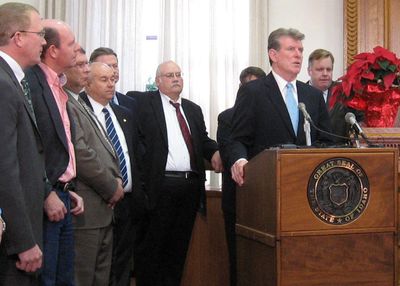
{"x": 98, "y": 107}
{"x": 167, "y": 99}
{"x": 52, "y": 77}
{"x": 282, "y": 84}
{"x": 16, "y": 68}
{"x": 73, "y": 94}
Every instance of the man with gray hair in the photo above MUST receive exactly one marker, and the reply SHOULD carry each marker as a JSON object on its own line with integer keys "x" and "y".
{"x": 266, "y": 111}
{"x": 22, "y": 173}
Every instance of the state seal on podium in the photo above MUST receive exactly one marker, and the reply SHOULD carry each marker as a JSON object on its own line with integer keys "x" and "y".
{"x": 338, "y": 191}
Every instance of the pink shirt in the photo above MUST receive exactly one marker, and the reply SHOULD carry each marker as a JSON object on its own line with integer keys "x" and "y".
{"x": 56, "y": 82}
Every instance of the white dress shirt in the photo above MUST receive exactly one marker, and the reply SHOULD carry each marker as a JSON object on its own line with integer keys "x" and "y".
{"x": 98, "y": 111}
{"x": 178, "y": 154}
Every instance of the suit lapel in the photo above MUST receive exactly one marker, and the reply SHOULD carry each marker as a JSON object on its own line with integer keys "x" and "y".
{"x": 159, "y": 113}
{"x": 302, "y": 97}
{"x": 9, "y": 71}
{"x": 52, "y": 106}
{"x": 101, "y": 133}
{"x": 274, "y": 94}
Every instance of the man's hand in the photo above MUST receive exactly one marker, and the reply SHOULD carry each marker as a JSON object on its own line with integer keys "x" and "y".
{"x": 54, "y": 207}
{"x": 77, "y": 206}
{"x": 30, "y": 260}
{"x": 237, "y": 171}
{"x": 118, "y": 195}
{"x": 216, "y": 163}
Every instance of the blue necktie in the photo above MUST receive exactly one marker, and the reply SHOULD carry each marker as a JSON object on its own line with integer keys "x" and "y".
{"x": 291, "y": 106}
{"x": 112, "y": 133}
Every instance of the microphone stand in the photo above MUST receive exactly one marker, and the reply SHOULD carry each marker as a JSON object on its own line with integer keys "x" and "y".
{"x": 307, "y": 130}
{"x": 356, "y": 138}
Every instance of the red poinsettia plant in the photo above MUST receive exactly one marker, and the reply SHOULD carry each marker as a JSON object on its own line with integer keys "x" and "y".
{"x": 371, "y": 85}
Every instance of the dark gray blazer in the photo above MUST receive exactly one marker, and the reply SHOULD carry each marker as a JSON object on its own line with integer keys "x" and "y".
{"x": 22, "y": 181}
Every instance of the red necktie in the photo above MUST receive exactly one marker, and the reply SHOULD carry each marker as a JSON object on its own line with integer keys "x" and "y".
{"x": 185, "y": 133}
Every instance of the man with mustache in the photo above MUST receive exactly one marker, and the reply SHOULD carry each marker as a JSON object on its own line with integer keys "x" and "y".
{"x": 176, "y": 143}
{"x": 266, "y": 114}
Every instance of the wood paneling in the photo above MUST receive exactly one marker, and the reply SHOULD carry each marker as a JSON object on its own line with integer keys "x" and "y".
{"x": 369, "y": 23}
{"x": 282, "y": 242}
{"x": 207, "y": 262}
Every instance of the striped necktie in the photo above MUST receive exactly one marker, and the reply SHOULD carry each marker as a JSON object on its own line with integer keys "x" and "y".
{"x": 112, "y": 133}
{"x": 291, "y": 106}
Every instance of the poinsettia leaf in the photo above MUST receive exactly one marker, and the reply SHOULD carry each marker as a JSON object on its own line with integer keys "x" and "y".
{"x": 368, "y": 75}
{"x": 383, "y": 64}
{"x": 388, "y": 80}
{"x": 392, "y": 68}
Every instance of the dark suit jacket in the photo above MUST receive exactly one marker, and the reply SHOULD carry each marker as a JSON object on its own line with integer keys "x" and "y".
{"x": 50, "y": 124}
{"x": 22, "y": 178}
{"x": 223, "y": 139}
{"x": 154, "y": 136}
{"x": 261, "y": 119}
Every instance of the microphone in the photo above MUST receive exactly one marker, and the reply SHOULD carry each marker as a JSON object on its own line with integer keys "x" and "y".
{"x": 303, "y": 109}
{"x": 351, "y": 119}
{"x": 307, "y": 117}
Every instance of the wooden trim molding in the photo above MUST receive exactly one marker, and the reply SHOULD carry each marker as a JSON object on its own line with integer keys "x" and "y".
{"x": 350, "y": 30}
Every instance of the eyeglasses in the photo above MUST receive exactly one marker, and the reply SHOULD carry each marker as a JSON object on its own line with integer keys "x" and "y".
{"x": 42, "y": 33}
{"x": 82, "y": 65}
{"x": 173, "y": 74}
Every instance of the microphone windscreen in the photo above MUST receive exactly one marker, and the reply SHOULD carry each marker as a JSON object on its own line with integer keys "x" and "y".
{"x": 350, "y": 118}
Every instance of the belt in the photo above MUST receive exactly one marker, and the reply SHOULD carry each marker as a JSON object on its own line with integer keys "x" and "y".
{"x": 181, "y": 175}
{"x": 65, "y": 187}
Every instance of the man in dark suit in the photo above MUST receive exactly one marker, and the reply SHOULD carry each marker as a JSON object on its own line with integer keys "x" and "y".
{"x": 228, "y": 185}
{"x": 128, "y": 209}
{"x": 55, "y": 127}
{"x": 320, "y": 69}
{"x": 22, "y": 176}
{"x": 265, "y": 112}
{"x": 176, "y": 142}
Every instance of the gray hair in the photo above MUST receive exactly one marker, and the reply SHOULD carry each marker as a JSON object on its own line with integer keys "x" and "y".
{"x": 273, "y": 39}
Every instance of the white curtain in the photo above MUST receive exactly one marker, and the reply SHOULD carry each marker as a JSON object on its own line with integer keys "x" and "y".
{"x": 212, "y": 41}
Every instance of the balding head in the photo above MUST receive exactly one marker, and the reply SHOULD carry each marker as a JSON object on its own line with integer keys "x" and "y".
{"x": 60, "y": 51}
{"x": 101, "y": 83}
{"x": 169, "y": 79}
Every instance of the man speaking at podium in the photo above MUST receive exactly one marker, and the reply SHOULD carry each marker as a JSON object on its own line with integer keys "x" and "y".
{"x": 266, "y": 113}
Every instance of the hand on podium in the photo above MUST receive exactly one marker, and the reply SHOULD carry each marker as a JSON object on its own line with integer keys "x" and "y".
{"x": 237, "y": 171}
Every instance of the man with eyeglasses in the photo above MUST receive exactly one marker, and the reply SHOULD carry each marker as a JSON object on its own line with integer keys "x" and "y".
{"x": 55, "y": 126}
{"x": 77, "y": 75}
{"x": 176, "y": 143}
{"x": 22, "y": 176}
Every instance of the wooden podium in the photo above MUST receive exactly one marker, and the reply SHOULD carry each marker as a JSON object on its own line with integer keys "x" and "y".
{"x": 318, "y": 217}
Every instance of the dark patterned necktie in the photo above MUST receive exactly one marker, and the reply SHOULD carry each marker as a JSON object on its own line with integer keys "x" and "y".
{"x": 27, "y": 94}
{"x": 112, "y": 133}
{"x": 185, "y": 133}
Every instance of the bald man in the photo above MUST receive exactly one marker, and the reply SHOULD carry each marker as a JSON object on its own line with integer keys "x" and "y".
{"x": 49, "y": 102}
